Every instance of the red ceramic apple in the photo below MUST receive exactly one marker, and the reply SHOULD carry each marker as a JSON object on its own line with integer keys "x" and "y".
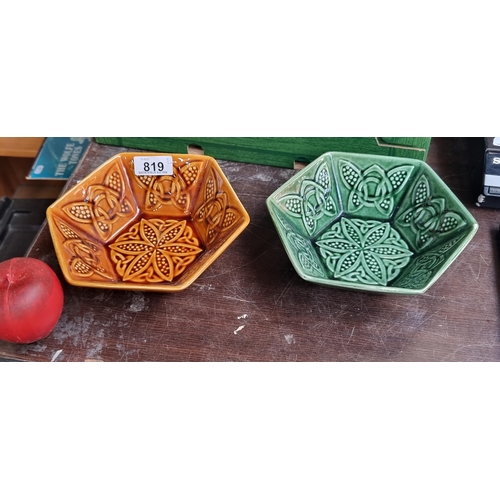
{"x": 31, "y": 300}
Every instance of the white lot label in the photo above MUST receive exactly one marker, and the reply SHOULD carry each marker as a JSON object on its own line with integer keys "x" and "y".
{"x": 153, "y": 165}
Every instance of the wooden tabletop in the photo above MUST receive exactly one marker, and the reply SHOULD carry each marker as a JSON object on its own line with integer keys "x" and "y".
{"x": 250, "y": 304}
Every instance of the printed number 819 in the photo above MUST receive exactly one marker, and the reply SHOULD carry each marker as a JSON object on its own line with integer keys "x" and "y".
{"x": 153, "y": 165}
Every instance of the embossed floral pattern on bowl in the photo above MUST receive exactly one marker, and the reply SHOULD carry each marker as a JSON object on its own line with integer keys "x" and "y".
{"x": 373, "y": 223}
{"x": 119, "y": 229}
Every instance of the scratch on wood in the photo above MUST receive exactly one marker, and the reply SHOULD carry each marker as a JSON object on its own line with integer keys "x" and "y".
{"x": 350, "y": 335}
{"x": 452, "y": 354}
{"x": 285, "y": 290}
{"x": 236, "y": 298}
{"x": 426, "y": 319}
{"x": 484, "y": 260}
{"x": 239, "y": 329}
{"x": 56, "y": 354}
{"x": 204, "y": 287}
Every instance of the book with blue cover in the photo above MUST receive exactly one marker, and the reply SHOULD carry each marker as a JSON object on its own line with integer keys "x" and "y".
{"x": 58, "y": 157}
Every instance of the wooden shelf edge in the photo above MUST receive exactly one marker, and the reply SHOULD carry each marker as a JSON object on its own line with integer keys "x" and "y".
{"x": 20, "y": 147}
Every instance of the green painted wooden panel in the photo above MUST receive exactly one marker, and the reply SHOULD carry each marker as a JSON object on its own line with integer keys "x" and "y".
{"x": 277, "y": 151}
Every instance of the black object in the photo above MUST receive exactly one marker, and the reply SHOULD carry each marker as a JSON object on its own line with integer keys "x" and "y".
{"x": 20, "y": 221}
{"x": 490, "y": 183}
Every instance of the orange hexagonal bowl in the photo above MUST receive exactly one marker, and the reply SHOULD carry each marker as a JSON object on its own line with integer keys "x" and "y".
{"x": 134, "y": 231}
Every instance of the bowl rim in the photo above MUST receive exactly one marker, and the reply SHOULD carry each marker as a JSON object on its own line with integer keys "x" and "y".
{"x": 470, "y": 230}
{"x": 144, "y": 287}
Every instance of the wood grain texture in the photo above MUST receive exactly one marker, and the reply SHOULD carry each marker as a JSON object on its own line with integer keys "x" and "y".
{"x": 13, "y": 182}
{"x": 13, "y": 173}
{"x": 250, "y": 305}
{"x": 23, "y": 147}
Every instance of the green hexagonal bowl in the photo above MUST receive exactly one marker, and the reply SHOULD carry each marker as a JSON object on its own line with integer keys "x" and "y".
{"x": 371, "y": 223}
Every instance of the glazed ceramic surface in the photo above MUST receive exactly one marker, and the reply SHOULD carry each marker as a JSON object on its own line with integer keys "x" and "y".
{"x": 116, "y": 229}
{"x": 371, "y": 223}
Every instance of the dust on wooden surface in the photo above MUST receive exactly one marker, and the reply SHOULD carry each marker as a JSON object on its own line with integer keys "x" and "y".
{"x": 250, "y": 305}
